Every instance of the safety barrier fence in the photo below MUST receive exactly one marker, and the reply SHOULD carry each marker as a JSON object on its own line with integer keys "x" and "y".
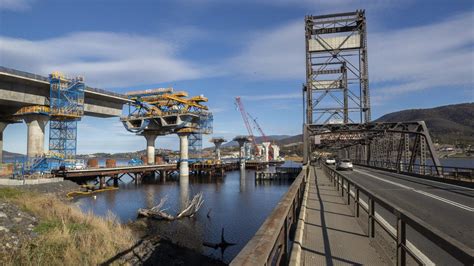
{"x": 351, "y": 190}
{"x": 271, "y": 245}
{"x": 452, "y": 172}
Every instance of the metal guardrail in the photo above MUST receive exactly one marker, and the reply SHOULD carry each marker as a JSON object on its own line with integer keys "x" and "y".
{"x": 271, "y": 245}
{"x": 457, "y": 173}
{"x": 456, "y": 249}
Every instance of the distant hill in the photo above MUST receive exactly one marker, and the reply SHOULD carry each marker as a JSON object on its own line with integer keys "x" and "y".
{"x": 447, "y": 124}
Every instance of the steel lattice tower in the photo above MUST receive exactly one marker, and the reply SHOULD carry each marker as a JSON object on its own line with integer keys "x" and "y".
{"x": 66, "y": 108}
{"x": 337, "y": 88}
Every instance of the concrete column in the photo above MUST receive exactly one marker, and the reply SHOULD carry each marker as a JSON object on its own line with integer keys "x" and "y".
{"x": 183, "y": 165}
{"x": 218, "y": 150}
{"x": 276, "y": 151}
{"x": 35, "y": 124}
{"x": 266, "y": 147}
{"x": 150, "y": 147}
{"x": 3, "y": 125}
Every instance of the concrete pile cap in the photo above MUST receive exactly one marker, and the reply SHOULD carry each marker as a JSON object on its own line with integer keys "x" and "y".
{"x": 217, "y": 140}
{"x": 242, "y": 138}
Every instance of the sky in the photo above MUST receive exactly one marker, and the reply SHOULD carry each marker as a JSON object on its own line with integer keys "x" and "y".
{"x": 420, "y": 56}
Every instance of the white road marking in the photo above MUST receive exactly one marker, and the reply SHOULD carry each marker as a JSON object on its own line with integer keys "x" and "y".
{"x": 459, "y": 205}
{"x": 438, "y": 182}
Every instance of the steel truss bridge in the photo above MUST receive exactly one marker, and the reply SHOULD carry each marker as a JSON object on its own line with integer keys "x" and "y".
{"x": 399, "y": 205}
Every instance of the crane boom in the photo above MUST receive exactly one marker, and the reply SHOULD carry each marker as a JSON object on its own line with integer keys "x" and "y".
{"x": 259, "y": 128}
{"x": 241, "y": 108}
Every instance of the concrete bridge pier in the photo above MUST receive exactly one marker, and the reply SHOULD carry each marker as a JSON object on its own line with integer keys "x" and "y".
{"x": 3, "y": 125}
{"x": 266, "y": 147}
{"x": 276, "y": 152}
{"x": 218, "y": 142}
{"x": 150, "y": 147}
{"x": 36, "y": 124}
{"x": 183, "y": 162}
{"x": 242, "y": 140}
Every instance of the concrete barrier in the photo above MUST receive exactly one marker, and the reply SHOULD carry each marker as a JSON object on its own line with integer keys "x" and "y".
{"x": 16, "y": 182}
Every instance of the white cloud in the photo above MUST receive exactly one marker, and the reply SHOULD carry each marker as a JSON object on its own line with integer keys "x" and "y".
{"x": 15, "y": 5}
{"x": 277, "y": 53}
{"x": 423, "y": 57}
{"x": 104, "y": 58}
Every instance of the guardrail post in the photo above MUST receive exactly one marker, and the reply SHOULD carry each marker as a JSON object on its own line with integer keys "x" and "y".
{"x": 342, "y": 187}
{"x": 371, "y": 217}
{"x": 348, "y": 193}
{"x": 401, "y": 242}
{"x": 357, "y": 202}
{"x": 337, "y": 182}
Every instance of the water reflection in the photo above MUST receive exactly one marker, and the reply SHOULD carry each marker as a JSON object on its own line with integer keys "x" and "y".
{"x": 242, "y": 179}
{"x": 183, "y": 191}
{"x": 234, "y": 202}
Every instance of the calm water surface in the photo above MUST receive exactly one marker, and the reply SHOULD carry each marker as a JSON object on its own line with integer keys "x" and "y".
{"x": 234, "y": 202}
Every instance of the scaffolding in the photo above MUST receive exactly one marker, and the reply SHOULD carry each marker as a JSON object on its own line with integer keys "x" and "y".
{"x": 66, "y": 108}
{"x": 195, "y": 138}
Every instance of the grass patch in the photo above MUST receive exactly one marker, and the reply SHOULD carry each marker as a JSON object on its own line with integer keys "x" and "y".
{"x": 66, "y": 236}
{"x": 10, "y": 193}
{"x": 46, "y": 226}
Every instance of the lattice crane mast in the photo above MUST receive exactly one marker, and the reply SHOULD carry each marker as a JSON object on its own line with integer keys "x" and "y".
{"x": 241, "y": 108}
{"x": 259, "y": 128}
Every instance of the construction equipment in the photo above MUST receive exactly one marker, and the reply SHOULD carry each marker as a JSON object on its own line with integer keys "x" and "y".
{"x": 245, "y": 117}
{"x": 241, "y": 108}
{"x": 165, "y": 111}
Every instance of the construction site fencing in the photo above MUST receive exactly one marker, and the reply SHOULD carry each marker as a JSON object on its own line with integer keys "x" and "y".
{"x": 352, "y": 191}
{"x": 272, "y": 243}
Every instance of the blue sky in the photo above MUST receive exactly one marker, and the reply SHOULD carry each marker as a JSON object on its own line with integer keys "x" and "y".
{"x": 420, "y": 55}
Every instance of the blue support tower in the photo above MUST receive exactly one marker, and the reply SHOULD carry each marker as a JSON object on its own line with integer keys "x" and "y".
{"x": 66, "y": 108}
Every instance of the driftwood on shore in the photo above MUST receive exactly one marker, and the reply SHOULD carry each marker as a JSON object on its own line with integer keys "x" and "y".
{"x": 157, "y": 212}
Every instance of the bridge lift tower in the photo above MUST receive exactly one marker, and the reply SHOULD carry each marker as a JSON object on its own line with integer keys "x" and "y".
{"x": 337, "y": 86}
{"x": 337, "y": 101}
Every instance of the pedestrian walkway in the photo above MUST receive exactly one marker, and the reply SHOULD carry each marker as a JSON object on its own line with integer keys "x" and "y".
{"x": 332, "y": 235}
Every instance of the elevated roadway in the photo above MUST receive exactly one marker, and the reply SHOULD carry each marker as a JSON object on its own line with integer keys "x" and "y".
{"x": 19, "y": 89}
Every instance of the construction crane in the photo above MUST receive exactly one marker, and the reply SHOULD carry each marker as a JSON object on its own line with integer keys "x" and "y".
{"x": 259, "y": 128}
{"x": 245, "y": 117}
{"x": 241, "y": 108}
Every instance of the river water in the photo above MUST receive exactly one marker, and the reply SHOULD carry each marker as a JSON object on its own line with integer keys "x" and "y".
{"x": 235, "y": 202}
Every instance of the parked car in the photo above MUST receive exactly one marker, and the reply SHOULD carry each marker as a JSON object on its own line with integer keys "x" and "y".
{"x": 344, "y": 164}
{"x": 330, "y": 161}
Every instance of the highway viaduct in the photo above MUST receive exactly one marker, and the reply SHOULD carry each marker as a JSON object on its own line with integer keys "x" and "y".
{"x": 19, "y": 89}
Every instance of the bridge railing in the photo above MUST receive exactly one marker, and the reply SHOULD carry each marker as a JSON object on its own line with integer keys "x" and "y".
{"x": 271, "y": 245}
{"x": 351, "y": 190}
{"x": 452, "y": 172}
